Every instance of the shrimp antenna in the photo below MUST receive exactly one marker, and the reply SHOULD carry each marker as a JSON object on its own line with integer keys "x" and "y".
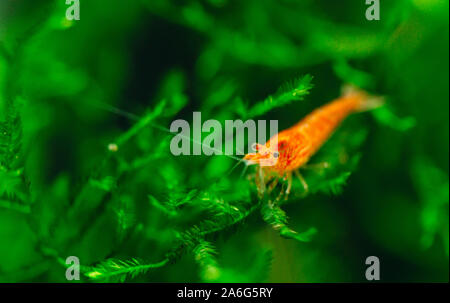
{"x": 234, "y": 167}
{"x": 134, "y": 117}
{"x": 243, "y": 171}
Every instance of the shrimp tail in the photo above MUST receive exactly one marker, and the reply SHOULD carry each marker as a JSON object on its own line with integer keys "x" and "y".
{"x": 363, "y": 100}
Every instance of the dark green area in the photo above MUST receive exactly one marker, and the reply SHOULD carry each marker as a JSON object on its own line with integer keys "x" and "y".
{"x": 140, "y": 214}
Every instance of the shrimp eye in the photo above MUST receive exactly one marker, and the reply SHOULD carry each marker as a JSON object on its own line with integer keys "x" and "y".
{"x": 276, "y": 154}
{"x": 257, "y": 147}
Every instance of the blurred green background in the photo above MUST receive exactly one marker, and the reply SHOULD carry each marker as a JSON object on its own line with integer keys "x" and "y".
{"x": 63, "y": 193}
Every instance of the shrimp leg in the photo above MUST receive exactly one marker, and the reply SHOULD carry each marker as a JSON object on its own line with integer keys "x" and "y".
{"x": 260, "y": 181}
{"x": 302, "y": 180}
{"x": 289, "y": 180}
{"x": 272, "y": 185}
{"x": 316, "y": 166}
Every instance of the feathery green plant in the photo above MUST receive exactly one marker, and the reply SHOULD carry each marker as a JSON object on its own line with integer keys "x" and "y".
{"x": 224, "y": 213}
{"x": 291, "y": 91}
{"x": 86, "y": 168}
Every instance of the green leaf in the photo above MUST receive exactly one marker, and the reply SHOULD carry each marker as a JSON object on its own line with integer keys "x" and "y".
{"x": 291, "y": 91}
{"x": 432, "y": 186}
{"x": 384, "y": 115}
{"x": 276, "y": 217}
{"x": 305, "y": 236}
{"x": 120, "y": 270}
{"x": 205, "y": 255}
{"x": 106, "y": 184}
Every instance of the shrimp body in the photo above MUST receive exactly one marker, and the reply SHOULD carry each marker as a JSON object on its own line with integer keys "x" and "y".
{"x": 297, "y": 144}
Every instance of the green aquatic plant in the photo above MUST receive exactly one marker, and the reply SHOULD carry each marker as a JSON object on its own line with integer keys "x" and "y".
{"x": 85, "y": 162}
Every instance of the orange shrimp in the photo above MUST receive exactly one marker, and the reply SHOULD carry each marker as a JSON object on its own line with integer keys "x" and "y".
{"x": 295, "y": 146}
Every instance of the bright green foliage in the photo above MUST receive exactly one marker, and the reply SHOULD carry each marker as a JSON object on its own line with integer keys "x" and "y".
{"x": 433, "y": 190}
{"x": 118, "y": 270}
{"x": 85, "y": 162}
{"x": 274, "y": 215}
{"x": 291, "y": 91}
{"x": 205, "y": 255}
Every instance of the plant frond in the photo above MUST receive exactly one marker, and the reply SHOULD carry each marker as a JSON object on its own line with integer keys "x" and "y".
{"x": 120, "y": 270}
{"x": 291, "y": 91}
{"x": 205, "y": 256}
{"x": 432, "y": 186}
{"x": 275, "y": 216}
{"x": 386, "y": 116}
